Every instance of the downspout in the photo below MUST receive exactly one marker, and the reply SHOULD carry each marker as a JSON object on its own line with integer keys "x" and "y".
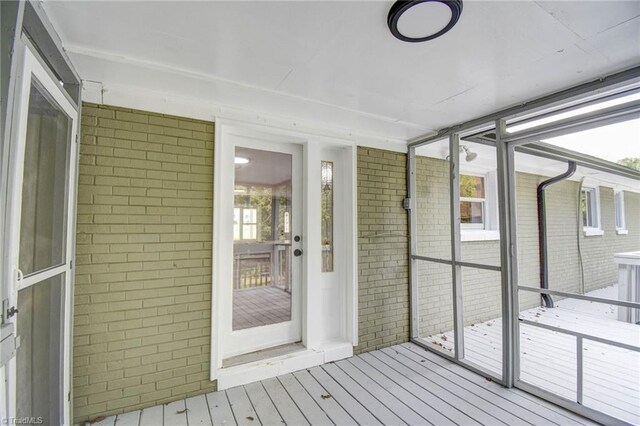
{"x": 542, "y": 230}
{"x": 578, "y": 232}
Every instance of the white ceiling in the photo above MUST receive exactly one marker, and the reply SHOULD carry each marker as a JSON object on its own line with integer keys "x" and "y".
{"x": 336, "y": 63}
{"x": 264, "y": 167}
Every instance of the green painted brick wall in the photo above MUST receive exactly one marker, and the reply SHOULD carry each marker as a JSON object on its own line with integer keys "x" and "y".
{"x": 143, "y": 255}
{"x": 383, "y": 268}
{"x": 143, "y": 277}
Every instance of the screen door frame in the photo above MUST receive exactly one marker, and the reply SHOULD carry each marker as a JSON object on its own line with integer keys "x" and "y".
{"x": 31, "y": 67}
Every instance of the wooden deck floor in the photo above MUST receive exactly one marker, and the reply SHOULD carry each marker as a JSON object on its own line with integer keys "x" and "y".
{"x": 548, "y": 359}
{"x": 399, "y": 385}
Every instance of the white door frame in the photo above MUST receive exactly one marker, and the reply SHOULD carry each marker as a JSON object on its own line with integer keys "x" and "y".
{"x": 313, "y": 334}
{"x": 31, "y": 66}
{"x": 257, "y": 338}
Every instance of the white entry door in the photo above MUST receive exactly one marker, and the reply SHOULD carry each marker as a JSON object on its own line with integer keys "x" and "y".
{"x": 264, "y": 244}
{"x": 40, "y": 246}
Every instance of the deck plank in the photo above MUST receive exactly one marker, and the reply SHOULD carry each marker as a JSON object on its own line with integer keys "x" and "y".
{"x": 131, "y": 418}
{"x": 482, "y": 396}
{"x": 351, "y": 405}
{"x": 407, "y": 413}
{"x": 402, "y": 384}
{"x": 175, "y": 413}
{"x": 152, "y": 416}
{"x": 263, "y": 405}
{"x": 516, "y": 396}
{"x": 426, "y": 410}
{"x": 108, "y": 421}
{"x": 538, "y": 367}
{"x": 287, "y": 408}
{"x": 241, "y": 406}
{"x": 611, "y": 382}
{"x": 435, "y": 400}
{"x": 563, "y": 355}
{"x": 324, "y": 399}
{"x": 463, "y": 399}
{"x": 500, "y": 397}
{"x": 312, "y": 411}
{"x": 198, "y": 411}
{"x": 380, "y": 411}
{"x": 219, "y": 409}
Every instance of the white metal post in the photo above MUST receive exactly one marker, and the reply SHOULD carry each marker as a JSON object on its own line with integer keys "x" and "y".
{"x": 456, "y": 269}
{"x": 506, "y": 210}
{"x": 413, "y": 244}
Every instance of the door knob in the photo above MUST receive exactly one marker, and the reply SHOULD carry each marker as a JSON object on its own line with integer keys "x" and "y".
{"x": 297, "y": 252}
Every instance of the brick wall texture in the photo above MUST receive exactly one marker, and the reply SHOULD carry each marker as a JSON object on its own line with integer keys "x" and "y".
{"x": 383, "y": 271}
{"x": 481, "y": 289}
{"x": 143, "y": 255}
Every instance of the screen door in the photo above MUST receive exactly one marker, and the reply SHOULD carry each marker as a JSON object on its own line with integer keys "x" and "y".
{"x": 42, "y": 189}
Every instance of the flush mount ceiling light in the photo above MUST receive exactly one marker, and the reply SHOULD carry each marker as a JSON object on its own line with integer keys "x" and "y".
{"x": 240, "y": 160}
{"x": 421, "y": 20}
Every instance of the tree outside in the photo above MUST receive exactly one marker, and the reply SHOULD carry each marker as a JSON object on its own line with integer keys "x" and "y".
{"x": 631, "y": 162}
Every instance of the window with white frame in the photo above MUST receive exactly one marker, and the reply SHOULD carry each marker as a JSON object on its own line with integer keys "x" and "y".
{"x": 618, "y": 199}
{"x": 472, "y": 202}
{"x": 478, "y": 206}
{"x": 245, "y": 223}
{"x": 590, "y": 209}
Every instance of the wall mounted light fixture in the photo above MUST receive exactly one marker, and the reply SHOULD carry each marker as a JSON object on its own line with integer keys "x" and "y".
{"x": 468, "y": 154}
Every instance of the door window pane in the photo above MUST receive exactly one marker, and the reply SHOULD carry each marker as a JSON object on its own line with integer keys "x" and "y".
{"x": 44, "y": 190}
{"x": 262, "y": 239}
{"x": 39, "y": 359}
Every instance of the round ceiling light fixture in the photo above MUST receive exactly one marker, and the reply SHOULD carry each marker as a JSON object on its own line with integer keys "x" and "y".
{"x": 414, "y": 21}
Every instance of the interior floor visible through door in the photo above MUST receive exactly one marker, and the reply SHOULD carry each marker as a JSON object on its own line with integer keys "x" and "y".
{"x": 254, "y": 307}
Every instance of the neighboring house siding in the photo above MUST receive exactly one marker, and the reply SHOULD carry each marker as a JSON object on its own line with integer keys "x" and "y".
{"x": 564, "y": 231}
{"x": 481, "y": 289}
{"x": 143, "y": 260}
{"x": 383, "y": 271}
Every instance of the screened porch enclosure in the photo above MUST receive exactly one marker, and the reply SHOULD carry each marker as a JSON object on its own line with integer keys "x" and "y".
{"x": 521, "y": 240}
{"x": 174, "y": 251}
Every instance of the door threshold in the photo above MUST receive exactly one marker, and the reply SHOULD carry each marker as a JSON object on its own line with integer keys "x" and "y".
{"x": 263, "y": 354}
{"x": 287, "y": 359}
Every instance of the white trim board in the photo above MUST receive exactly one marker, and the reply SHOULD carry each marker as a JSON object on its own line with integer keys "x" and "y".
{"x": 198, "y": 98}
{"x": 263, "y": 369}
